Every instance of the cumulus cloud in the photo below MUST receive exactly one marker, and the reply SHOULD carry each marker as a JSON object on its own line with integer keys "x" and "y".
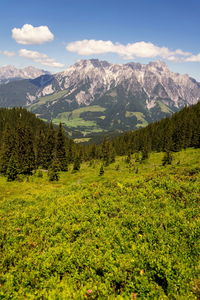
{"x": 8, "y": 53}
{"x": 129, "y": 51}
{"x": 193, "y": 58}
{"x": 28, "y": 35}
{"x": 40, "y": 58}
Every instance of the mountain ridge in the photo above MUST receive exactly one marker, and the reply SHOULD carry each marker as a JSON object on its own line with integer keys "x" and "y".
{"x": 11, "y": 73}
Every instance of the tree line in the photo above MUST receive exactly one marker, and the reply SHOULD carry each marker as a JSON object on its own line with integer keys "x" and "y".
{"x": 27, "y": 143}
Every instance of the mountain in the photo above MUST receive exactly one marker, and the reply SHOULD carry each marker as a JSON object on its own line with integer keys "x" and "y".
{"x": 10, "y": 73}
{"x": 95, "y": 96}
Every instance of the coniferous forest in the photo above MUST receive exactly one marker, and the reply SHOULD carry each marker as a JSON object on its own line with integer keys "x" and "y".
{"x": 114, "y": 220}
{"x": 27, "y": 143}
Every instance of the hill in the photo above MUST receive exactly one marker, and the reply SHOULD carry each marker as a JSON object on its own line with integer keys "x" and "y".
{"x": 180, "y": 131}
{"x": 28, "y": 143}
{"x": 132, "y": 232}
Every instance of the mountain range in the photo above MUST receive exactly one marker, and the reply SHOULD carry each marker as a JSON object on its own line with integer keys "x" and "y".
{"x": 95, "y": 96}
{"x": 11, "y": 73}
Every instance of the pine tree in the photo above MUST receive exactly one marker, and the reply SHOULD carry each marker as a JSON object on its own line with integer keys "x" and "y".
{"x": 24, "y": 150}
{"x": 167, "y": 158}
{"x": 40, "y": 150}
{"x": 77, "y": 164}
{"x": 145, "y": 154}
{"x": 53, "y": 171}
{"x": 107, "y": 152}
{"x": 101, "y": 171}
{"x": 7, "y": 146}
{"x": 128, "y": 159}
{"x": 12, "y": 170}
{"x": 50, "y": 147}
{"x": 60, "y": 150}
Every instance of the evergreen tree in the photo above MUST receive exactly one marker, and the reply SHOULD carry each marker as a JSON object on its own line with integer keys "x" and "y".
{"x": 101, "y": 171}
{"x": 107, "y": 152}
{"x": 167, "y": 158}
{"x": 128, "y": 159}
{"x": 40, "y": 150}
{"x": 50, "y": 147}
{"x": 12, "y": 170}
{"x": 7, "y": 147}
{"x": 60, "y": 150}
{"x": 77, "y": 164}
{"x": 145, "y": 154}
{"x": 137, "y": 157}
{"x": 24, "y": 150}
{"x": 53, "y": 171}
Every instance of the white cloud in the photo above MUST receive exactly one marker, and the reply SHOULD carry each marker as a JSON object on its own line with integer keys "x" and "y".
{"x": 129, "y": 51}
{"x": 181, "y": 52}
{"x": 193, "y": 58}
{"x": 8, "y": 53}
{"x": 40, "y": 58}
{"x": 28, "y": 35}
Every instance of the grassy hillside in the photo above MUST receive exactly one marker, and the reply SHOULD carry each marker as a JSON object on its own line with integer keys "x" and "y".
{"x": 131, "y": 233}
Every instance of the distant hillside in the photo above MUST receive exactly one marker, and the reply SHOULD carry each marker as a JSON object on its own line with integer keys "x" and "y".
{"x": 180, "y": 131}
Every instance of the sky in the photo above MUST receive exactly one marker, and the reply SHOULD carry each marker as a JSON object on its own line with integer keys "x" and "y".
{"x": 53, "y": 35}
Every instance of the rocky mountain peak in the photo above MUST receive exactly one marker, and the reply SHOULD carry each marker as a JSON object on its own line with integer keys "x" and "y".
{"x": 158, "y": 65}
{"x": 11, "y": 72}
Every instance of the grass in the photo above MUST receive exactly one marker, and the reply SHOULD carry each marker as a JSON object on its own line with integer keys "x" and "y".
{"x": 82, "y": 140}
{"x": 76, "y": 122}
{"x": 133, "y": 230}
{"x": 73, "y": 119}
{"x": 140, "y": 117}
{"x": 164, "y": 107}
{"x": 50, "y": 98}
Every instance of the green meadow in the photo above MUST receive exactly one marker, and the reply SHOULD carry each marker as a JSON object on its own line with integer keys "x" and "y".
{"x": 132, "y": 233}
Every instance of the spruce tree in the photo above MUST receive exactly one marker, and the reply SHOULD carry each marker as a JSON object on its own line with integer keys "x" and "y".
{"x": 101, "y": 171}
{"x": 128, "y": 159}
{"x": 24, "y": 150}
{"x": 40, "y": 150}
{"x": 145, "y": 153}
{"x": 7, "y": 147}
{"x": 53, "y": 171}
{"x": 167, "y": 158}
{"x": 107, "y": 152}
{"x": 77, "y": 164}
{"x": 50, "y": 147}
{"x": 60, "y": 150}
{"x": 12, "y": 170}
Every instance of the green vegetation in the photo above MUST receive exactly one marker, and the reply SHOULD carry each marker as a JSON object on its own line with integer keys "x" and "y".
{"x": 180, "y": 131}
{"x": 127, "y": 233}
{"x": 50, "y": 98}
{"x": 164, "y": 108}
{"x": 76, "y": 122}
{"x": 109, "y": 227}
{"x": 140, "y": 117}
{"x": 73, "y": 118}
{"x": 82, "y": 140}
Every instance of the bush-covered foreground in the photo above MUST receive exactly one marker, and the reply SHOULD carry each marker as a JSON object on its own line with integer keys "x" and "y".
{"x": 129, "y": 234}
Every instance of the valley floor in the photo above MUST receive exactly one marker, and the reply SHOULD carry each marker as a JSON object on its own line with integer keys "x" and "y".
{"x": 132, "y": 233}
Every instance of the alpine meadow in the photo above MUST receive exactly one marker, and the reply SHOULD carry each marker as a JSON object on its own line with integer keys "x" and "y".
{"x": 99, "y": 150}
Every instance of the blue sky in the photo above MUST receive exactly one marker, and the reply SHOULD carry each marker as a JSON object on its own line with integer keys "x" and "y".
{"x": 117, "y": 31}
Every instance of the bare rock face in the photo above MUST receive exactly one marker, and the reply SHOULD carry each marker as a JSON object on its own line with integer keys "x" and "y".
{"x": 91, "y": 79}
{"x": 8, "y": 73}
